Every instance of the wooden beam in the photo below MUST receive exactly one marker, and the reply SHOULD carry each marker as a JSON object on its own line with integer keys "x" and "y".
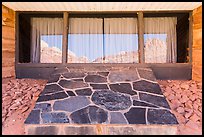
{"x": 65, "y": 38}
{"x": 16, "y": 38}
{"x": 190, "y": 37}
{"x": 141, "y": 37}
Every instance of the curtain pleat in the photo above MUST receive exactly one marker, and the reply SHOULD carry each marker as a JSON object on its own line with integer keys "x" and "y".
{"x": 160, "y": 39}
{"x": 121, "y": 40}
{"x": 85, "y": 40}
{"x": 46, "y": 40}
{"x": 87, "y": 43}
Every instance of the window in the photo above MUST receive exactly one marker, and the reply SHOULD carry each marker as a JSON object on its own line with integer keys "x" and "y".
{"x": 160, "y": 40}
{"x": 46, "y": 40}
{"x": 102, "y": 40}
{"x": 120, "y": 40}
{"x": 85, "y": 40}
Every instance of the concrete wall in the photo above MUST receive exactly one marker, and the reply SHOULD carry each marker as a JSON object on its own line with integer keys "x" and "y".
{"x": 197, "y": 45}
{"x": 8, "y": 42}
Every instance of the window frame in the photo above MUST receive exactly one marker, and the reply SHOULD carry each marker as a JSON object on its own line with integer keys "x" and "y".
{"x": 87, "y": 14}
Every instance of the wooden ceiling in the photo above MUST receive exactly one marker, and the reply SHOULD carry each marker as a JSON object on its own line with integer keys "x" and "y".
{"x": 102, "y": 6}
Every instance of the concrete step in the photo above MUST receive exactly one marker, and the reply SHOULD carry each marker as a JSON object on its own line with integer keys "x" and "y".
{"x": 100, "y": 129}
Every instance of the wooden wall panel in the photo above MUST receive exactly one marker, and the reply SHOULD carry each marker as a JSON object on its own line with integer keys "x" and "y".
{"x": 8, "y": 42}
{"x": 197, "y": 45}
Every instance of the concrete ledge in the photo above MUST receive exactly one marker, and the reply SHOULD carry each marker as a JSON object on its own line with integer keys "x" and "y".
{"x": 99, "y": 129}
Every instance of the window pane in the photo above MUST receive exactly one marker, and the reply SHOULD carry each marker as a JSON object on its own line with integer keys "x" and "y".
{"x": 155, "y": 48}
{"x": 51, "y": 49}
{"x": 89, "y": 42}
{"x": 85, "y": 40}
{"x": 160, "y": 40}
{"x": 120, "y": 40}
{"x": 46, "y": 41}
{"x": 121, "y": 48}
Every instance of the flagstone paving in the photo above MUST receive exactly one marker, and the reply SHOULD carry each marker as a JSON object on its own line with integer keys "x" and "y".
{"x": 112, "y": 96}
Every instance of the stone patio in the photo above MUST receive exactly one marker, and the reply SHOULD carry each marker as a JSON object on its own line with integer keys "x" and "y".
{"x": 100, "y": 97}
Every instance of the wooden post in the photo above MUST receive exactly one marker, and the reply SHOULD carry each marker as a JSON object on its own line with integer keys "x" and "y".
{"x": 17, "y": 38}
{"x": 190, "y": 37}
{"x": 65, "y": 38}
{"x": 141, "y": 36}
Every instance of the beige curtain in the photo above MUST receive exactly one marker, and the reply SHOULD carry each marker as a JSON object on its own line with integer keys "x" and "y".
{"x": 120, "y": 26}
{"x": 120, "y": 40}
{"x": 160, "y": 40}
{"x": 85, "y": 40}
{"x": 85, "y": 26}
{"x": 46, "y": 40}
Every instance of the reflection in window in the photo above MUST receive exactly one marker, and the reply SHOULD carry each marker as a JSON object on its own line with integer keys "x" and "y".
{"x": 46, "y": 41}
{"x": 160, "y": 40}
{"x": 120, "y": 40}
{"x": 120, "y": 48}
{"x": 87, "y": 43}
{"x": 155, "y": 48}
{"x": 85, "y": 40}
{"x": 85, "y": 48}
{"x": 51, "y": 49}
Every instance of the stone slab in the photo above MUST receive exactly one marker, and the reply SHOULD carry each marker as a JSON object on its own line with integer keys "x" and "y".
{"x": 117, "y": 118}
{"x": 71, "y": 104}
{"x": 111, "y": 100}
{"x": 122, "y": 76}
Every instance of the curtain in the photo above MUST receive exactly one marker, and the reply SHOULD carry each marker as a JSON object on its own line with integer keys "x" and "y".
{"x": 85, "y": 40}
{"x": 120, "y": 40}
{"x": 46, "y": 40}
{"x": 89, "y": 42}
{"x": 160, "y": 40}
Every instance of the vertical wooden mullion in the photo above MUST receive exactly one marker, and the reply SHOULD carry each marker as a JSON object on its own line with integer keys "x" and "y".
{"x": 16, "y": 38}
{"x": 141, "y": 37}
{"x": 190, "y": 37}
{"x": 65, "y": 38}
{"x": 103, "y": 58}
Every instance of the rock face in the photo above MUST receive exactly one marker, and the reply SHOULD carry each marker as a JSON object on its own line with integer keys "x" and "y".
{"x": 111, "y": 100}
